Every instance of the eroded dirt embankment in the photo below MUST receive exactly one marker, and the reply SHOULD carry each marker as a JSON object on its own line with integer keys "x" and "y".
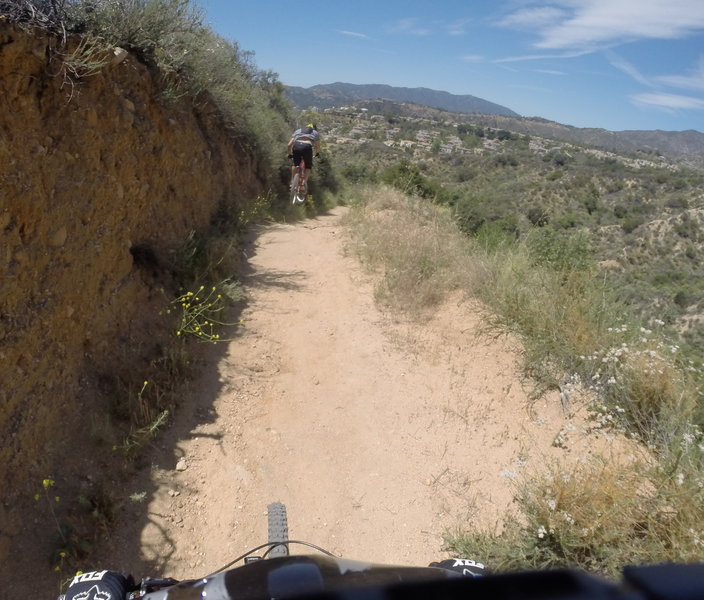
{"x": 100, "y": 181}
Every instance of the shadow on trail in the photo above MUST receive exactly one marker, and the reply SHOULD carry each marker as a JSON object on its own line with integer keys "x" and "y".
{"x": 277, "y": 279}
{"x": 144, "y": 544}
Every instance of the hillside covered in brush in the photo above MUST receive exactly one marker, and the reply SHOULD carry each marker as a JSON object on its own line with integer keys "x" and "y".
{"x": 638, "y": 216}
{"x": 687, "y": 146}
{"x": 340, "y": 94}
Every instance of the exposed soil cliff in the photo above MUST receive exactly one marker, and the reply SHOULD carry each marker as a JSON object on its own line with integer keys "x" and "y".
{"x": 99, "y": 183}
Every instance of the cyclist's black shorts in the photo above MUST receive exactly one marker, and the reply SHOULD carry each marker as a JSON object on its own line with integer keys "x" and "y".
{"x": 304, "y": 151}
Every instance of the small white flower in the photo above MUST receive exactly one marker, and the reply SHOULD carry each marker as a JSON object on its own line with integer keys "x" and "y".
{"x": 541, "y": 532}
{"x": 551, "y": 504}
{"x": 680, "y": 478}
{"x": 509, "y": 474}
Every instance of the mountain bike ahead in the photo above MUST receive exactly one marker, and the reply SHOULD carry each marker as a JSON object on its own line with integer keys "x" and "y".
{"x": 275, "y": 574}
{"x": 299, "y": 184}
{"x": 303, "y": 143}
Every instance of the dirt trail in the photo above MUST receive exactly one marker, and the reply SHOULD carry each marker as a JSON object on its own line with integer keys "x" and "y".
{"x": 378, "y": 434}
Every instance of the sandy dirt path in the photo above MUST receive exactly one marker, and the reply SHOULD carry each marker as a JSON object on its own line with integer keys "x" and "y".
{"x": 377, "y": 433}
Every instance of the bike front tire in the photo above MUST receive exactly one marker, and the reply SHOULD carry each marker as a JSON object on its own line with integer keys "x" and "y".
{"x": 278, "y": 529}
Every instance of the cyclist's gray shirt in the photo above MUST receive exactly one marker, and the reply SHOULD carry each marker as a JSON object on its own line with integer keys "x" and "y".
{"x": 302, "y": 135}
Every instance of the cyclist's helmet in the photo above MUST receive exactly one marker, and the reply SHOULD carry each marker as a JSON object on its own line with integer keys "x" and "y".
{"x": 312, "y": 126}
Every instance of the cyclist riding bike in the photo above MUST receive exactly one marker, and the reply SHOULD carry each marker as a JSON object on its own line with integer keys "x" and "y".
{"x": 300, "y": 148}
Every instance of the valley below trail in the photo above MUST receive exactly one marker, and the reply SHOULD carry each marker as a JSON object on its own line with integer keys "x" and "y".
{"x": 379, "y": 432}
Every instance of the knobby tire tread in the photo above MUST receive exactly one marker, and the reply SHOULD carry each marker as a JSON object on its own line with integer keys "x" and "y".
{"x": 278, "y": 529}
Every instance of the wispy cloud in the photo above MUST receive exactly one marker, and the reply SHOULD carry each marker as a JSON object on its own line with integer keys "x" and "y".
{"x": 458, "y": 27}
{"x": 525, "y": 57}
{"x": 409, "y": 26}
{"x": 549, "y": 72}
{"x": 669, "y": 102}
{"x": 594, "y": 24}
{"x": 535, "y": 18}
{"x": 623, "y": 65}
{"x": 355, "y": 34}
{"x": 692, "y": 81}
{"x": 472, "y": 58}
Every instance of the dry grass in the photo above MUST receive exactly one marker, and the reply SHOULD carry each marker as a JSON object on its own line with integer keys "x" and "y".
{"x": 413, "y": 244}
{"x": 600, "y": 516}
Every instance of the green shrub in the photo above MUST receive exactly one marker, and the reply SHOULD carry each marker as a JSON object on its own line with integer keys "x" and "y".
{"x": 591, "y": 204}
{"x": 505, "y": 160}
{"x": 688, "y": 228}
{"x": 560, "y": 251}
{"x": 631, "y": 222}
{"x": 568, "y": 220}
{"x": 493, "y": 235}
{"x": 538, "y": 216}
{"x": 356, "y": 173}
{"x": 678, "y": 202}
{"x": 471, "y": 212}
{"x": 407, "y": 178}
{"x": 620, "y": 211}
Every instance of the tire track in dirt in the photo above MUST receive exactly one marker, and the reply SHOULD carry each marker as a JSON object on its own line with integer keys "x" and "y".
{"x": 377, "y": 433}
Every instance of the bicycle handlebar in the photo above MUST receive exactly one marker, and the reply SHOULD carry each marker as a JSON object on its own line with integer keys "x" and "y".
{"x": 324, "y": 577}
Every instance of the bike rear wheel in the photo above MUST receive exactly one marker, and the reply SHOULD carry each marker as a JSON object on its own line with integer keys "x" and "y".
{"x": 278, "y": 529}
{"x": 294, "y": 188}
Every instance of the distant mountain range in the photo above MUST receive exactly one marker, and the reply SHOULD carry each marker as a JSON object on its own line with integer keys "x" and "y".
{"x": 339, "y": 94}
{"x": 682, "y": 145}
{"x": 688, "y": 145}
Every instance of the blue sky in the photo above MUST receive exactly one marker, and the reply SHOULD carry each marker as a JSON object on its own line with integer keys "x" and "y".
{"x": 616, "y": 64}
